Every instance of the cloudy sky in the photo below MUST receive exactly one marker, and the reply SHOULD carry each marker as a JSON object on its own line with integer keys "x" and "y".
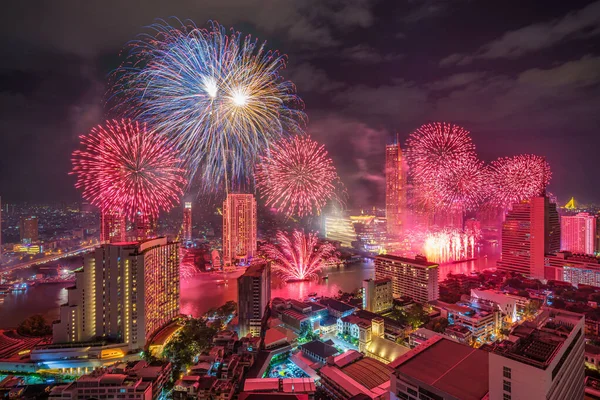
{"x": 523, "y": 77}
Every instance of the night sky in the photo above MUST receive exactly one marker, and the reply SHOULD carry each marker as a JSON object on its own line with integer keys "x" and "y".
{"x": 522, "y": 76}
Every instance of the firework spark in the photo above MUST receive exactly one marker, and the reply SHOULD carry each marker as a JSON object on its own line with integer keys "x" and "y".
{"x": 449, "y": 245}
{"x": 220, "y": 96}
{"x": 432, "y": 148}
{"x": 126, "y": 168}
{"x": 297, "y": 176}
{"x": 299, "y": 256}
{"x": 512, "y": 179}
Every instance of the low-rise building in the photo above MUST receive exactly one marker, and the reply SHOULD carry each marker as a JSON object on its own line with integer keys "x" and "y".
{"x": 352, "y": 374}
{"x": 336, "y": 308}
{"x": 377, "y": 295}
{"x": 262, "y": 388}
{"x": 318, "y": 351}
{"x": 511, "y": 305}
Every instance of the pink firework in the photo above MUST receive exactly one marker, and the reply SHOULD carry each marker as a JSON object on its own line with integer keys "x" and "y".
{"x": 459, "y": 187}
{"x": 299, "y": 256}
{"x": 512, "y": 179}
{"x": 432, "y": 148}
{"x": 125, "y": 167}
{"x": 297, "y": 177}
{"x": 449, "y": 245}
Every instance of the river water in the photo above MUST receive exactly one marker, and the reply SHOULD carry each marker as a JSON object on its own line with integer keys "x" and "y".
{"x": 207, "y": 290}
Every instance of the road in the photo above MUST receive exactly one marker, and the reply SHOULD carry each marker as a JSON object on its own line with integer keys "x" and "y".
{"x": 46, "y": 259}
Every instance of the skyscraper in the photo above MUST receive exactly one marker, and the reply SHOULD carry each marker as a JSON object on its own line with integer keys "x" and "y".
{"x": 29, "y": 229}
{"x": 187, "y": 221}
{"x": 112, "y": 227}
{"x": 578, "y": 233}
{"x": 239, "y": 228}
{"x": 531, "y": 230}
{"x": 124, "y": 292}
{"x": 254, "y": 295}
{"x": 144, "y": 226}
{"x": 395, "y": 188}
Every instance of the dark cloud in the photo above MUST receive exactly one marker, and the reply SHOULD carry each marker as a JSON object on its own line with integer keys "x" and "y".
{"x": 583, "y": 23}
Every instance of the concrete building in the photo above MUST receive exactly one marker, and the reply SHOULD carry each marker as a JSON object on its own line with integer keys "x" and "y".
{"x": 510, "y": 305}
{"x": 573, "y": 268}
{"x": 112, "y": 227}
{"x": 377, "y": 295}
{"x": 339, "y": 228}
{"x": 124, "y": 292}
{"x": 395, "y": 188}
{"x": 440, "y": 369}
{"x": 543, "y": 359}
{"x": 254, "y": 295}
{"x": 187, "y": 222}
{"x": 239, "y": 229}
{"x": 263, "y": 388}
{"x": 28, "y": 229}
{"x": 531, "y": 230}
{"x": 352, "y": 374}
{"x": 578, "y": 233}
{"x": 318, "y": 350}
{"x": 414, "y": 278}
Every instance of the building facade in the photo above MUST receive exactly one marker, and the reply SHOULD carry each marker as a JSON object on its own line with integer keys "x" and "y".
{"x": 239, "y": 228}
{"x": 395, "y": 189}
{"x": 378, "y": 295}
{"x": 112, "y": 227}
{"x": 542, "y": 361}
{"x": 124, "y": 292}
{"x": 578, "y": 233}
{"x": 187, "y": 221}
{"x": 414, "y": 278}
{"x": 531, "y": 230}
{"x": 254, "y": 296}
{"x": 576, "y": 269}
{"x": 28, "y": 229}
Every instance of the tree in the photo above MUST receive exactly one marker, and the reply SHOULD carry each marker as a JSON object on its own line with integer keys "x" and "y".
{"x": 192, "y": 339}
{"x": 531, "y": 309}
{"x": 438, "y": 325}
{"x": 416, "y": 316}
{"x": 35, "y": 326}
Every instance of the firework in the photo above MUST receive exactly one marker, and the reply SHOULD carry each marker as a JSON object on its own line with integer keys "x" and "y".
{"x": 219, "y": 96}
{"x": 126, "y": 168}
{"x": 297, "y": 177}
{"x": 433, "y": 148}
{"x": 512, "y": 179}
{"x": 449, "y": 245}
{"x": 299, "y": 256}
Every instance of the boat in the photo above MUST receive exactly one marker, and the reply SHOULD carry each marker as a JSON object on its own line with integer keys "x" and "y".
{"x": 326, "y": 277}
{"x": 312, "y": 294}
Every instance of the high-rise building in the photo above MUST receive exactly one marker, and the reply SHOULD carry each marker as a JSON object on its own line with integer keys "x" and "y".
{"x": 414, "y": 278}
{"x": 339, "y": 228}
{"x": 144, "y": 226}
{"x": 239, "y": 228}
{"x": 124, "y": 292}
{"x": 542, "y": 361}
{"x": 578, "y": 233}
{"x": 112, "y": 227}
{"x": 187, "y": 221}
{"x": 531, "y": 230}
{"x": 378, "y": 295}
{"x": 254, "y": 296}
{"x": 29, "y": 229}
{"x": 577, "y": 269}
{"x": 395, "y": 189}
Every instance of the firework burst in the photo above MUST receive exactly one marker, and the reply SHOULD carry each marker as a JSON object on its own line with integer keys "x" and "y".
{"x": 126, "y": 168}
{"x": 299, "y": 256}
{"x": 433, "y": 148}
{"x": 512, "y": 179}
{"x": 219, "y": 96}
{"x": 297, "y": 176}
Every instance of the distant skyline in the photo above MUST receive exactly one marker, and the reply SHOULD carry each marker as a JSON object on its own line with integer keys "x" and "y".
{"x": 523, "y": 78}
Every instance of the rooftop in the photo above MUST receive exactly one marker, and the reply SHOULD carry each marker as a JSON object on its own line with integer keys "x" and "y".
{"x": 386, "y": 349}
{"x": 319, "y": 348}
{"x": 294, "y": 314}
{"x": 448, "y": 366}
{"x": 255, "y": 270}
{"x": 336, "y": 305}
{"x": 412, "y": 261}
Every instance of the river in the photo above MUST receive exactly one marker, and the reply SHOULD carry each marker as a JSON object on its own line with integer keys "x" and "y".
{"x": 207, "y": 290}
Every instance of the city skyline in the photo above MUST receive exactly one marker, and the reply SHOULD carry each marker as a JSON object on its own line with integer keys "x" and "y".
{"x": 400, "y": 93}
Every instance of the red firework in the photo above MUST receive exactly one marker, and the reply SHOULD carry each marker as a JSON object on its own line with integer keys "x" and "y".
{"x": 125, "y": 167}
{"x": 299, "y": 256}
{"x": 297, "y": 177}
{"x": 432, "y": 148}
{"x": 512, "y": 179}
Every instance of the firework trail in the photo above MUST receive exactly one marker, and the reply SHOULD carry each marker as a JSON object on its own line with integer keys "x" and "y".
{"x": 123, "y": 167}
{"x": 297, "y": 176}
{"x": 299, "y": 256}
{"x": 513, "y": 179}
{"x": 219, "y": 96}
